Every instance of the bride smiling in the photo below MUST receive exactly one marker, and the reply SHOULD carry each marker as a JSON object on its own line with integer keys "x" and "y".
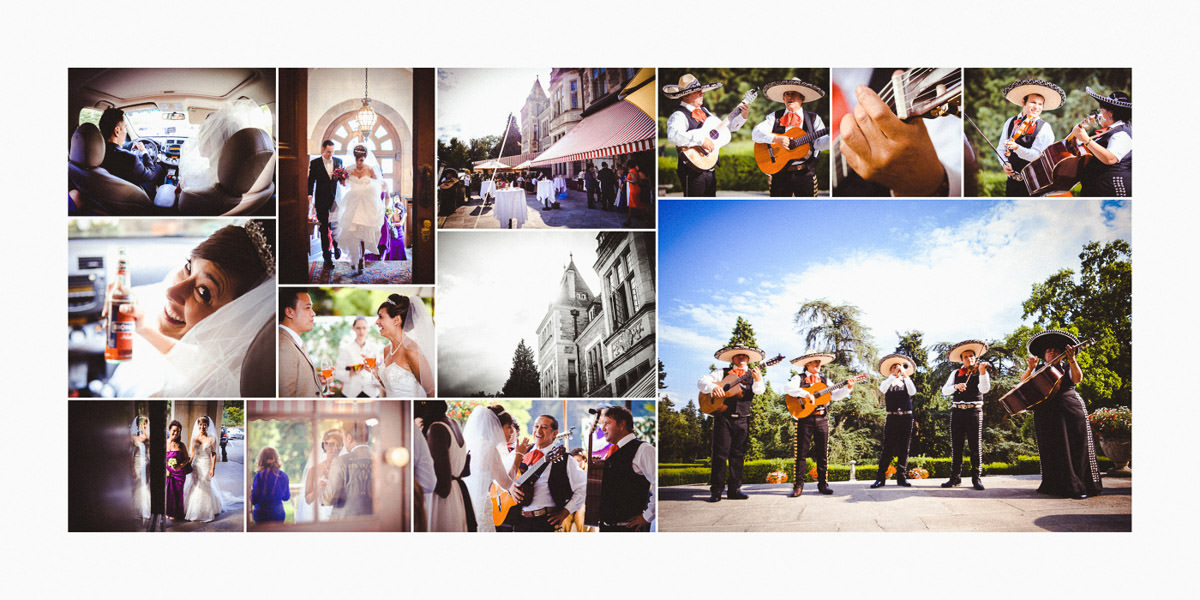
{"x": 193, "y": 329}
{"x": 405, "y": 372}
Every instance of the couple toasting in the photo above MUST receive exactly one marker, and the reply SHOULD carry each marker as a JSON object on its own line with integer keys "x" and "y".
{"x": 404, "y": 371}
{"x": 356, "y": 196}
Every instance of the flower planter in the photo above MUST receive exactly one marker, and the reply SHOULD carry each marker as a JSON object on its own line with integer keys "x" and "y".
{"x": 1119, "y": 451}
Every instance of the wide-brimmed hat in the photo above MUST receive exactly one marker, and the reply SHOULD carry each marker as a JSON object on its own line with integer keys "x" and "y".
{"x": 802, "y": 361}
{"x": 1051, "y": 338}
{"x": 1115, "y": 99}
{"x": 775, "y": 89}
{"x": 1051, "y": 94}
{"x": 727, "y": 353}
{"x": 891, "y": 360}
{"x": 688, "y": 84}
{"x": 955, "y": 353}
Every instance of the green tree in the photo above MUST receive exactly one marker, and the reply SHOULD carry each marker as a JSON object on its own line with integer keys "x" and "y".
{"x": 524, "y": 381}
{"x": 454, "y": 154}
{"x": 662, "y": 375}
{"x": 235, "y": 414}
{"x": 512, "y": 141}
{"x": 836, "y": 330}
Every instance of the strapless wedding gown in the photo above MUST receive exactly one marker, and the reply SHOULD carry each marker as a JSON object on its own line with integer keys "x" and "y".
{"x": 203, "y": 501}
{"x": 141, "y": 487}
{"x": 399, "y": 382}
{"x": 360, "y": 217}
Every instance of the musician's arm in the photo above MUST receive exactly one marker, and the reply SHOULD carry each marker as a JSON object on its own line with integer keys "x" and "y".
{"x": 759, "y": 387}
{"x": 985, "y": 382}
{"x": 1001, "y": 144}
{"x": 839, "y": 394}
{"x": 761, "y": 133}
{"x": 1045, "y": 138}
{"x": 910, "y": 386}
{"x": 792, "y": 388}
{"x": 887, "y": 383}
{"x": 1032, "y": 364}
{"x": 822, "y": 142}
{"x": 645, "y": 464}
{"x": 948, "y": 388}
{"x": 1119, "y": 145}
{"x": 709, "y": 382}
{"x": 739, "y": 119}
{"x": 678, "y": 134}
{"x": 1076, "y": 372}
{"x": 578, "y": 486}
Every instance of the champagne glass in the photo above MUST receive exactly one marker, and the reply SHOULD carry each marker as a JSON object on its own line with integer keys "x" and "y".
{"x": 326, "y": 375}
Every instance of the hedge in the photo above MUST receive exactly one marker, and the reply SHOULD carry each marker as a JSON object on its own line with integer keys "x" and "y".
{"x": 939, "y": 468}
{"x": 735, "y": 172}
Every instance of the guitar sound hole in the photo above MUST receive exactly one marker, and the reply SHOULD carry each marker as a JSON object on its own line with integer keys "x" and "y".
{"x": 713, "y": 134}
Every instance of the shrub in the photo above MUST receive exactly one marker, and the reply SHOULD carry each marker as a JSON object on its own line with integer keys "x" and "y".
{"x": 1112, "y": 423}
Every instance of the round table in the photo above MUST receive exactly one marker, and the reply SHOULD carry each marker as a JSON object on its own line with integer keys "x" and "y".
{"x": 487, "y": 187}
{"x": 545, "y": 192}
{"x": 510, "y": 204}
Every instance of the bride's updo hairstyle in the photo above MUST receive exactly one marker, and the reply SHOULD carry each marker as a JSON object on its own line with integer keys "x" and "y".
{"x": 360, "y": 151}
{"x": 397, "y": 306}
{"x": 245, "y": 254}
{"x": 505, "y": 418}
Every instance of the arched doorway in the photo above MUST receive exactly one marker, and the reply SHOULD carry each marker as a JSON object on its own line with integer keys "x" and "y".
{"x": 383, "y": 140}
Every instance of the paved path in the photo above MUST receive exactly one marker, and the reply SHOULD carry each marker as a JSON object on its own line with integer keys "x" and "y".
{"x": 574, "y": 214}
{"x": 1009, "y": 503}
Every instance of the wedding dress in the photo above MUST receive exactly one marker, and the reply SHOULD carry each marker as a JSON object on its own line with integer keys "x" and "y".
{"x": 202, "y": 501}
{"x": 141, "y": 487}
{"x": 399, "y": 382}
{"x": 360, "y": 217}
{"x": 484, "y": 438}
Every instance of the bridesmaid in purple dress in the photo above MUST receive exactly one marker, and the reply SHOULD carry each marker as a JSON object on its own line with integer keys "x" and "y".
{"x": 177, "y": 452}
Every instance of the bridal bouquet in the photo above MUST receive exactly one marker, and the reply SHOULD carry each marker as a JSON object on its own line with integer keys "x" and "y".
{"x": 340, "y": 174}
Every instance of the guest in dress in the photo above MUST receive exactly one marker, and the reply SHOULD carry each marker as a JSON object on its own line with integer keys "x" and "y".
{"x": 270, "y": 488}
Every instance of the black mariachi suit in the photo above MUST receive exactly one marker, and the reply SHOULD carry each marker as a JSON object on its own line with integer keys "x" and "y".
{"x": 323, "y": 189}
{"x": 1013, "y": 187}
{"x": 795, "y": 182}
{"x": 966, "y": 424}
{"x": 560, "y": 492}
{"x": 812, "y": 434}
{"x": 897, "y": 431}
{"x": 1064, "y": 437}
{"x": 1104, "y": 180}
{"x": 729, "y": 438}
{"x": 624, "y": 494}
{"x": 696, "y": 182}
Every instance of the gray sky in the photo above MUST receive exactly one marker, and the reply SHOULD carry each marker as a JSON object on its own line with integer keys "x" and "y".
{"x": 473, "y": 103}
{"x": 493, "y": 290}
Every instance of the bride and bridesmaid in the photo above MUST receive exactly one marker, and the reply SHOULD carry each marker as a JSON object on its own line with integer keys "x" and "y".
{"x": 192, "y": 493}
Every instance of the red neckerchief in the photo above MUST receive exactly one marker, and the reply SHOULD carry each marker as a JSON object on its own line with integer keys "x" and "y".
{"x": 699, "y": 115}
{"x": 791, "y": 119}
{"x": 532, "y": 457}
{"x": 964, "y": 370}
{"x": 810, "y": 379}
{"x": 738, "y": 371}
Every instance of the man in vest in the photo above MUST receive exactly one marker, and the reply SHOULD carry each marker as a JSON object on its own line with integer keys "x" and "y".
{"x": 559, "y": 491}
{"x": 898, "y": 391}
{"x": 684, "y": 129}
{"x": 966, "y": 388}
{"x": 799, "y": 178}
{"x": 627, "y": 493}
{"x": 731, "y": 427}
{"x": 1111, "y": 173}
{"x": 812, "y": 432}
{"x": 1033, "y": 96}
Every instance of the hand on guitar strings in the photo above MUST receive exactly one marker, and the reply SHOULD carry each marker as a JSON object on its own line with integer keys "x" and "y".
{"x": 885, "y": 150}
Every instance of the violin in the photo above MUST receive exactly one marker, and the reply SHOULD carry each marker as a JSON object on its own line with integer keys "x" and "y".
{"x": 1024, "y": 126}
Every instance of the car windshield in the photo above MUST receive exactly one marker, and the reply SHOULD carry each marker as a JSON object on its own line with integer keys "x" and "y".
{"x": 156, "y": 122}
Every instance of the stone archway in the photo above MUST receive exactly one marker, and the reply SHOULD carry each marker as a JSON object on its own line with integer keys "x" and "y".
{"x": 389, "y": 126}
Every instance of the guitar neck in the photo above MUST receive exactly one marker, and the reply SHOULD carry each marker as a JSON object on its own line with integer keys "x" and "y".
{"x": 809, "y": 138}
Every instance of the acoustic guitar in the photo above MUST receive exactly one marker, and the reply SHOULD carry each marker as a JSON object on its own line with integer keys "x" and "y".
{"x": 502, "y": 501}
{"x": 821, "y": 395}
{"x": 1040, "y": 386}
{"x": 772, "y": 159}
{"x": 710, "y": 404}
{"x": 595, "y": 480}
{"x": 716, "y": 130}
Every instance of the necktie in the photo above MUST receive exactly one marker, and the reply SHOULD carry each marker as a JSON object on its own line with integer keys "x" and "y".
{"x": 791, "y": 119}
{"x": 699, "y": 115}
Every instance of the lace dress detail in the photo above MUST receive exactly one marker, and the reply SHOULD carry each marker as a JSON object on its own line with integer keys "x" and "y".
{"x": 399, "y": 382}
{"x": 202, "y": 500}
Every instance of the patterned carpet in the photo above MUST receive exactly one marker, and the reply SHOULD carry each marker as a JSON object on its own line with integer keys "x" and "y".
{"x": 386, "y": 272}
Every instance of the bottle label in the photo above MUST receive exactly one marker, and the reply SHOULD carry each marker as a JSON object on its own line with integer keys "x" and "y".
{"x": 119, "y": 343}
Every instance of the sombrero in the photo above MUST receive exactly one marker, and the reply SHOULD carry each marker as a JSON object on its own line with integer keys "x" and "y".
{"x": 1051, "y": 338}
{"x": 1053, "y": 95}
{"x": 955, "y": 354}
{"x": 727, "y": 353}
{"x": 1117, "y": 99}
{"x": 775, "y": 89}
{"x": 891, "y": 360}
{"x": 688, "y": 84}
{"x": 801, "y": 361}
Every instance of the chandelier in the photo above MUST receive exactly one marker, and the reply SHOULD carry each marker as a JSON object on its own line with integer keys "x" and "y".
{"x": 366, "y": 114}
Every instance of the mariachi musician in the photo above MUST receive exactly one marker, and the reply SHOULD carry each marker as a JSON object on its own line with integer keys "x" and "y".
{"x": 898, "y": 391}
{"x": 731, "y": 427}
{"x": 1111, "y": 173}
{"x": 1026, "y": 135}
{"x": 684, "y": 129}
{"x": 966, "y": 387}
{"x": 813, "y": 429}
{"x": 627, "y": 491}
{"x": 800, "y": 177}
{"x": 1064, "y": 436}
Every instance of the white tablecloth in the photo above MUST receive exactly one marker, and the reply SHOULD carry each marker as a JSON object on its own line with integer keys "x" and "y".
{"x": 560, "y": 184}
{"x": 510, "y": 204}
{"x": 487, "y": 187}
{"x": 545, "y": 190}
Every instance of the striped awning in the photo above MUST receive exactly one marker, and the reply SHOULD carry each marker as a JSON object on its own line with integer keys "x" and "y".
{"x": 619, "y": 129}
{"x": 509, "y": 162}
{"x": 305, "y": 408}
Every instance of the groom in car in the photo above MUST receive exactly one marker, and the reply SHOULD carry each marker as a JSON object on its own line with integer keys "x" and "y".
{"x": 138, "y": 168}
{"x": 322, "y": 186}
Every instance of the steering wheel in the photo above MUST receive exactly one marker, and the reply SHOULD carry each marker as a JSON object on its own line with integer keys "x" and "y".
{"x": 152, "y": 147}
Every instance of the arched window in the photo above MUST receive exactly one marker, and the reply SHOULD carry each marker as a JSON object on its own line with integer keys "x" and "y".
{"x": 383, "y": 140}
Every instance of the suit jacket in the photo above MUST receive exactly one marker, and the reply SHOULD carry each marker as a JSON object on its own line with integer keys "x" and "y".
{"x": 350, "y": 484}
{"x": 297, "y": 374}
{"x": 320, "y": 185}
{"x": 136, "y": 168}
{"x": 608, "y": 180}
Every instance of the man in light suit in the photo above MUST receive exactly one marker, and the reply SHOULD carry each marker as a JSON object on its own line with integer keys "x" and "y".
{"x": 297, "y": 374}
{"x": 350, "y": 482}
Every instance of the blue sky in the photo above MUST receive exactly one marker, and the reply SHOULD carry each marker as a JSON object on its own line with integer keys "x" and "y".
{"x": 952, "y": 269}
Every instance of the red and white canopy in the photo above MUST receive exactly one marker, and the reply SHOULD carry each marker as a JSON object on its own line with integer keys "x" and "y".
{"x": 619, "y": 129}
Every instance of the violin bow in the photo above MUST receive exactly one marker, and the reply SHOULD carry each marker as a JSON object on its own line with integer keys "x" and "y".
{"x": 1015, "y": 176}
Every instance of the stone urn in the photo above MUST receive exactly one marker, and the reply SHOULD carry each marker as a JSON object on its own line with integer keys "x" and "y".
{"x": 1119, "y": 451}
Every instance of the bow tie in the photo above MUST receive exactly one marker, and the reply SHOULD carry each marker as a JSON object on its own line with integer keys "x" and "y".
{"x": 532, "y": 457}
{"x": 791, "y": 119}
{"x": 811, "y": 379}
{"x": 964, "y": 371}
{"x": 699, "y": 115}
{"x": 739, "y": 372}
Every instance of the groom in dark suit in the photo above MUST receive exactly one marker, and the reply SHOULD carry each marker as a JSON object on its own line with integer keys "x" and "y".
{"x": 323, "y": 188}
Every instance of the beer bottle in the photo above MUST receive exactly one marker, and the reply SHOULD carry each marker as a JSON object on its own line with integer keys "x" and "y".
{"x": 118, "y": 342}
